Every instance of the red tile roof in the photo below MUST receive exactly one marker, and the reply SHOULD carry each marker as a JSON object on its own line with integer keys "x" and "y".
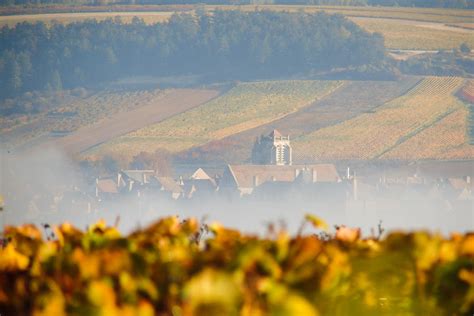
{"x": 244, "y": 175}
{"x": 107, "y": 186}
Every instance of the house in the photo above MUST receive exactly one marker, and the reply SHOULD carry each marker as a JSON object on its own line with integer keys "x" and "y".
{"x": 132, "y": 180}
{"x": 106, "y": 188}
{"x": 460, "y": 188}
{"x": 169, "y": 186}
{"x": 199, "y": 184}
{"x": 244, "y": 179}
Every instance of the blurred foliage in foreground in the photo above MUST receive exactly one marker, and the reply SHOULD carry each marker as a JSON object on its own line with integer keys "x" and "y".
{"x": 183, "y": 268}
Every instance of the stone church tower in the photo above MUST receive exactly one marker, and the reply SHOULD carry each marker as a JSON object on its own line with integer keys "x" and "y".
{"x": 273, "y": 149}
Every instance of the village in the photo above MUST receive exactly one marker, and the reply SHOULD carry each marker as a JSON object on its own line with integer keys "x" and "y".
{"x": 272, "y": 176}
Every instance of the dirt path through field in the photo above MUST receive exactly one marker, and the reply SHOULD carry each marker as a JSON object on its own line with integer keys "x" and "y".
{"x": 174, "y": 102}
{"x": 430, "y": 25}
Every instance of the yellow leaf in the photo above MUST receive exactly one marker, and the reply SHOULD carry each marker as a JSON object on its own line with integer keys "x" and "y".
{"x": 100, "y": 293}
{"x": 467, "y": 247}
{"x": 55, "y": 306}
{"x": 211, "y": 293}
{"x": 11, "y": 260}
{"x": 316, "y": 221}
{"x": 467, "y": 276}
{"x": 292, "y": 304}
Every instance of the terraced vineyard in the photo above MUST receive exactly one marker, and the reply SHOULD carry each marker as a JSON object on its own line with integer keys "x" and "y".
{"x": 446, "y": 139}
{"x": 349, "y": 101}
{"x": 375, "y": 135}
{"x": 244, "y": 107}
{"x": 80, "y": 112}
{"x": 467, "y": 95}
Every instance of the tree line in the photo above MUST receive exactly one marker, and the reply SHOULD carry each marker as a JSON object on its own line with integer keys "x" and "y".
{"x": 229, "y": 45}
{"x": 463, "y": 4}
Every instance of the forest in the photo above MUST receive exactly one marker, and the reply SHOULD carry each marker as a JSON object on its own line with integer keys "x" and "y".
{"x": 229, "y": 45}
{"x": 462, "y": 4}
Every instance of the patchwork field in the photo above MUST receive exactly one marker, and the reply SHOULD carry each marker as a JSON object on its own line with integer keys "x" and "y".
{"x": 408, "y": 127}
{"x": 403, "y": 28}
{"x": 48, "y": 18}
{"x": 413, "y": 118}
{"x": 173, "y": 102}
{"x": 74, "y": 114}
{"x": 104, "y": 116}
{"x": 446, "y": 139}
{"x": 406, "y": 34}
{"x": 349, "y": 101}
{"x": 244, "y": 107}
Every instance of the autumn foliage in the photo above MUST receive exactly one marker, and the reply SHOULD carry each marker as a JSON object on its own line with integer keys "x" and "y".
{"x": 179, "y": 267}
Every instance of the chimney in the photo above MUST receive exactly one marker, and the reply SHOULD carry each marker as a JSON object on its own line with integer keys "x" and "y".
{"x": 96, "y": 187}
{"x": 297, "y": 172}
{"x": 348, "y": 173}
{"x": 314, "y": 175}
{"x": 468, "y": 179}
{"x": 119, "y": 178}
{"x": 354, "y": 188}
{"x": 255, "y": 181}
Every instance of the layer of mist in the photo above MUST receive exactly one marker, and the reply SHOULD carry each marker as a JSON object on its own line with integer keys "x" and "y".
{"x": 34, "y": 185}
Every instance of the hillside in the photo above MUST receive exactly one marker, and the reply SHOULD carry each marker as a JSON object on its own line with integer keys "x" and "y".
{"x": 413, "y": 118}
{"x": 408, "y": 119}
{"x": 244, "y": 107}
{"x": 408, "y": 127}
{"x": 88, "y": 121}
{"x": 350, "y": 100}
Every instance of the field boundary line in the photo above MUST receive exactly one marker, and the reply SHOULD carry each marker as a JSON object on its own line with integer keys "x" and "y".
{"x": 415, "y": 132}
{"x": 375, "y": 108}
{"x": 406, "y": 19}
{"x": 221, "y": 133}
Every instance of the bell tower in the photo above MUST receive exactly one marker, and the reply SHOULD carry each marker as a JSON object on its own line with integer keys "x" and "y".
{"x": 273, "y": 149}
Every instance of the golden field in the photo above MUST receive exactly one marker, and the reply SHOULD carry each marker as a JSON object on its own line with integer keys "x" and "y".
{"x": 244, "y": 107}
{"x": 374, "y": 135}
